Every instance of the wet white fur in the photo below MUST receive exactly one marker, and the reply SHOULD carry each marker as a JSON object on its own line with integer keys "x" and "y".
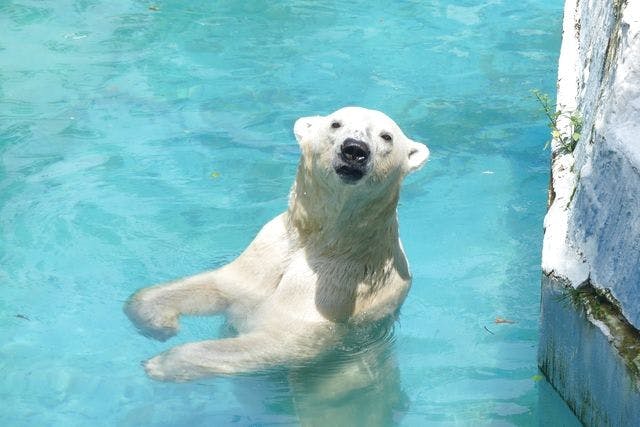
{"x": 332, "y": 262}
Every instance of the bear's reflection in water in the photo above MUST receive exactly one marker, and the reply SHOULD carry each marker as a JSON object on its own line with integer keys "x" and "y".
{"x": 355, "y": 384}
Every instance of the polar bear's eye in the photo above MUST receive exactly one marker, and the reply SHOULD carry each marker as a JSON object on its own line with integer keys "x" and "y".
{"x": 336, "y": 124}
{"x": 386, "y": 136}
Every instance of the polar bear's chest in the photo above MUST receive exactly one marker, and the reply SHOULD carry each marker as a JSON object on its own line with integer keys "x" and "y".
{"x": 291, "y": 300}
{"x": 317, "y": 291}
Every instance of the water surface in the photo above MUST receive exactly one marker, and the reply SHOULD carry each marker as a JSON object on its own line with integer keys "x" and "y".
{"x": 142, "y": 141}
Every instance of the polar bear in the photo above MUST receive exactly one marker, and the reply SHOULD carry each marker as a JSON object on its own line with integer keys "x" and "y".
{"x": 331, "y": 264}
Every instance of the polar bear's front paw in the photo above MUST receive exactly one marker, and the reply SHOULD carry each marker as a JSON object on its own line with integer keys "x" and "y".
{"x": 155, "y": 368}
{"x": 151, "y": 317}
{"x": 171, "y": 366}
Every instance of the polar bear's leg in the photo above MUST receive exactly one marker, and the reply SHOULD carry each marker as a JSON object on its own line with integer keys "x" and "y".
{"x": 247, "y": 281}
{"x": 155, "y": 310}
{"x": 243, "y": 354}
{"x": 356, "y": 388}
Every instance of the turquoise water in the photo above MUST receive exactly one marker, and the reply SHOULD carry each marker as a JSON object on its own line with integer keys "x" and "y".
{"x": 144, "y": 141}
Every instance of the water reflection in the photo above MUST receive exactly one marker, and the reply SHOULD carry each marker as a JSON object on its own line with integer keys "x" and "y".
{"x": 355, "y": 384}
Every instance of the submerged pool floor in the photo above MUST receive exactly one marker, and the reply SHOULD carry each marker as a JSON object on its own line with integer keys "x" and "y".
{"x": 144, "y": 141}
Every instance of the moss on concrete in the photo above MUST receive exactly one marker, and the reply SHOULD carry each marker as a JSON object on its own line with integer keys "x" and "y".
{"x": 600, "y": 306}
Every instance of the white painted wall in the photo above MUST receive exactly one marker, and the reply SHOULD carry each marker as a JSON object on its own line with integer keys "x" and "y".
{"x": 592, "y": 229}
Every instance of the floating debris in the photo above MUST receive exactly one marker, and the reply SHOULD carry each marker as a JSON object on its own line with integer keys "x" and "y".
{"x": 503, "y": 320}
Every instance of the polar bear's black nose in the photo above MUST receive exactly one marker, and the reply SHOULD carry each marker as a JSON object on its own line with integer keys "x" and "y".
{"x": 354, "y": 151}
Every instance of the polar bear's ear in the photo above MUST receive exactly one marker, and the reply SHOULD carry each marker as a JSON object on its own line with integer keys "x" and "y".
{"x": 418, "y": 155}
{"x": 304, "y": 126}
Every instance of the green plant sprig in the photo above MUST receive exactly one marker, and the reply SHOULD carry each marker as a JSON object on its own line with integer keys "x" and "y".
{"x": 553, "y": 114}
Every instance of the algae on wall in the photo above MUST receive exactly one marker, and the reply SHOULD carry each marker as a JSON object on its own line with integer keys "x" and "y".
{"x": 578, "y": 359}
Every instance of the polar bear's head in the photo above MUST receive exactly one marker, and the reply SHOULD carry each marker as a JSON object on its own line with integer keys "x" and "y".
{"x": 355, "y": 145}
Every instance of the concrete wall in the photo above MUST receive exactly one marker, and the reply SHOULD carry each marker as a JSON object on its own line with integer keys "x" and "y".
{"x": 605, "y": 216}
{"x": 579, "y": 360}
{"x": 591, "y": 249}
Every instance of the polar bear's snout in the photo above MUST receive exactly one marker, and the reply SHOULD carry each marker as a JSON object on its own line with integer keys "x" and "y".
{"x": 352, "y": 160}
{"x": 354, "y": 152}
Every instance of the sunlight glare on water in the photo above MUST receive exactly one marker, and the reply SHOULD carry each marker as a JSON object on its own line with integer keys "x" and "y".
{"x": 142, "y": 141}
